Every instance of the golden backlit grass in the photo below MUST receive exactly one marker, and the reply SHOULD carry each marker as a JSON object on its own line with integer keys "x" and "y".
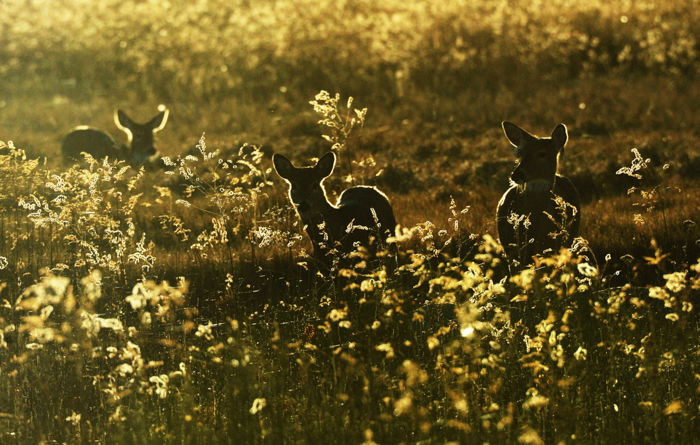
{"x": 245, "y": 340}
{"x": 184, "y": 307}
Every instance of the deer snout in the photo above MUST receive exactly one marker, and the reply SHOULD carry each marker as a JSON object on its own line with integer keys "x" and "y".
{"x": 143, "y": 158}
{"x": 518, "y": 176}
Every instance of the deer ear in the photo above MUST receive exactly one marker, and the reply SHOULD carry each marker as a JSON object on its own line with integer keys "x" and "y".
{"x": 324, "y": 166}
{"x": 283, "y": 166}
{"x": 123, "y": 121}
{"x": 516, "y": 135}
{"x": 560, "y": 135}
{"x": 158, "y": 122}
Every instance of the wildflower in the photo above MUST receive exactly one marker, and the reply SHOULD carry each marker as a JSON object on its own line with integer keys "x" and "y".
{"x": 43, "y": 335}
{"x": 367, "y": 285}
{"x": 258, "y": 405}
{"x": 74, "y": 418}
{"x": 336, "y": 315}
{"x": 675, "y": 407}
{"x": 414, "y": 374}
{"x": 530, "y": 437}
{"x": 110, "y": 323}
{"x": 535, "y": 401}
{"x": 368, "y": 436}
{"x": 658, "y": 293}
{"x": 117, "y": 415}
{"x": 638, "y": 164}
{"x": 675, "y": 282}
{"x": 204, "y": 330}
{"x": 403, "y": 405}
{"x": 161, "y": 387}
{"x": 387, "y": 348}
{"x": 433, "y": 342}
{"x": 467, "y": 331}
{"x": 138, "y": 297}
{"x": 123, "y": 369}
{"x": 587, "y": 270}
{"x": 167, "y": 161}
{"x": 46, "y": 312}
{"x": 92, "y": 285}
{"x": 51, "y": 290}
{"x": 90, "y": 322}
{"x": 525, "y": 279}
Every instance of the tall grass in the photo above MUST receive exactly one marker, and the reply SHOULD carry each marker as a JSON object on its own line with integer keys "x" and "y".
{"x": 250, "y": 344}
{"x": 182, "y": 305}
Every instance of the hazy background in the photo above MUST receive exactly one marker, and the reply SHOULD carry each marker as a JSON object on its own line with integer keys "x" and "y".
{"x": 244, "y": 66}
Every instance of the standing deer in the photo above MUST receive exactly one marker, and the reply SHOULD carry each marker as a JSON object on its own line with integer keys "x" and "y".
{"x": 540, "y": 212}
{"x": 361, "y": 215}
{"x": 140, "y": 140}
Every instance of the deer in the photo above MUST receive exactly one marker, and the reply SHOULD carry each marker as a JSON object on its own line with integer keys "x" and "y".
{"x": 138, "y": 151}
{"x": 540, "y": 212}
{"x": 362, "y": 215}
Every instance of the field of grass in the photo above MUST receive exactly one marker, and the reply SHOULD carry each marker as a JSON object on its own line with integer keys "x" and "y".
{"x": 181, "y": 304}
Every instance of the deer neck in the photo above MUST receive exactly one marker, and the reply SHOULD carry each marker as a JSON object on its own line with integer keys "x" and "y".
{"x": 320, "y": 222}
{"x": 538, "y": 186}
{"x": 322, "y": 212}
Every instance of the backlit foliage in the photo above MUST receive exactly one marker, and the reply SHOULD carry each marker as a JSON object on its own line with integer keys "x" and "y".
{"x": 181, "y": 305}
{"x": 301, "y": 43}
{"x": 441, "y": 344}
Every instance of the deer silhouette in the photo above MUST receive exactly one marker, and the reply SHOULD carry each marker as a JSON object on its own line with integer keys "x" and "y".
{"x": 362, "y": 215}
{"x": 540, "y": 212}
{"x": 139, "y": 150}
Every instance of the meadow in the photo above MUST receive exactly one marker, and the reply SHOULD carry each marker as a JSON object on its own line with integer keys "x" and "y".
{"x": 181, "y": 303}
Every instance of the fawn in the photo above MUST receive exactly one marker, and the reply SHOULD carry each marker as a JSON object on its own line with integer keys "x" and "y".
{"x": 139, "y": 150}
{"x": 362, "y": 214}
{"x": 540, "y": 212}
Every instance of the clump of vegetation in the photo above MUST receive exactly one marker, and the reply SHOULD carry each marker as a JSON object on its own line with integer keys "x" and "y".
{"x": 182, "y": 304}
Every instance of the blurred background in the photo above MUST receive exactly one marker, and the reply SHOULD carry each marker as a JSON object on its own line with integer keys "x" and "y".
{"x": 238, "y": 65}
